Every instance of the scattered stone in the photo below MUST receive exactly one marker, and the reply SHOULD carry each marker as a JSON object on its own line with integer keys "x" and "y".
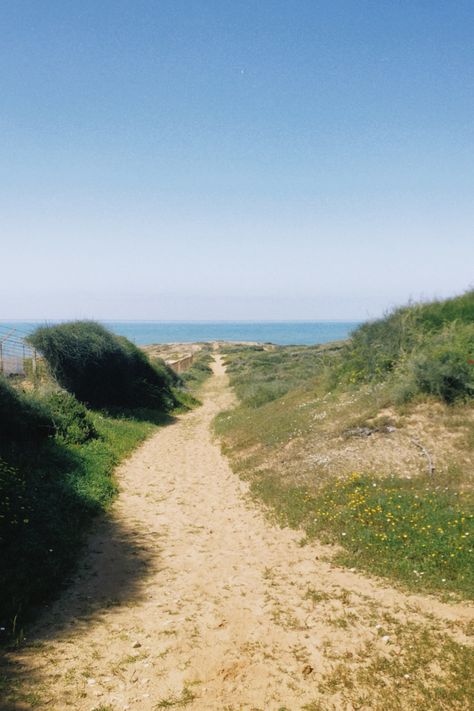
{"x": 367, "y": 431}
{"x": 137, "y": 645}
{"x": 359, "y": 432}
{"x": 307, "y": 670}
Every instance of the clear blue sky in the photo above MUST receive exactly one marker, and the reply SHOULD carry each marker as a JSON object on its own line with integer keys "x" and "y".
{"x": 187, "y": 159}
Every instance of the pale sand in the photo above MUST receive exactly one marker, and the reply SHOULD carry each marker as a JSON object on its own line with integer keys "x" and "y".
{"x": 188, "y": 582}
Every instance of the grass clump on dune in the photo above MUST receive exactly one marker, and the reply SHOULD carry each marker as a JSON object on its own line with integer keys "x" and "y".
{"x": 101, "y": 369}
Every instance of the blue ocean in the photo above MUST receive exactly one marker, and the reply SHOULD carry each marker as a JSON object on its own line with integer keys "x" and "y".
{"x": 277, "y": 332}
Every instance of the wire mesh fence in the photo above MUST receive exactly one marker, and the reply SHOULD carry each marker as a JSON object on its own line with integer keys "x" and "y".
{"x": 16, "y": 356}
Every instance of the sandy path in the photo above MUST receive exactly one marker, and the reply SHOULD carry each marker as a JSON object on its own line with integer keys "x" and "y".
{"x": 189, "y": 597}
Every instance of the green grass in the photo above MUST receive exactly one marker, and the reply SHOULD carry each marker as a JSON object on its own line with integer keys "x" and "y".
{"x": 260, "y": 376}
{"x": 404, "y": 529}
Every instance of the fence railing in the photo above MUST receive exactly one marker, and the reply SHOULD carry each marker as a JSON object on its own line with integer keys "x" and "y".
{"x": 181, "y": 364}
{"x": 16, "y": 356}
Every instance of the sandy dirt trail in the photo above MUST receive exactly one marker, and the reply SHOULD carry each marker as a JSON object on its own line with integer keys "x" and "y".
{"x": 189, "y": 597}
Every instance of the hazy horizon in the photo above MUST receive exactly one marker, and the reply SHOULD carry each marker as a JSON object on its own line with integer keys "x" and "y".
{"x": 219, "y": 161}
{"x": 60, "y": 312}
{"x": 183, "y": 321}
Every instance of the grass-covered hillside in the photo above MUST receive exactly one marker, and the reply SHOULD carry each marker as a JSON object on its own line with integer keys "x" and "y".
{"x": 425, "y": 349}
{"x": 369, "y": 445}
{"x": 58, "y": 454}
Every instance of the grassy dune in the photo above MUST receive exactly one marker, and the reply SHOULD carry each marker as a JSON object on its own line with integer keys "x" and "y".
{"x": 342, "y": 443}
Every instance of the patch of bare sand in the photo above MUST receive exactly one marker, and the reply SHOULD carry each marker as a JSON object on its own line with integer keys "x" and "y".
{"x": 188, "y": 597}
{"x": 430, "y": 436}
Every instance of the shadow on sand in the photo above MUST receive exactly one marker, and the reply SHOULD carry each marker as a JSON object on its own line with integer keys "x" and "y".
{"x": 113, "y": 571}
{"x": 110, "y": 569}
{"x": 141, "y": 414}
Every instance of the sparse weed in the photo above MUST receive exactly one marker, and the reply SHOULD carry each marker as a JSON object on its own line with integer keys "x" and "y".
{"x": 185, "y": 698}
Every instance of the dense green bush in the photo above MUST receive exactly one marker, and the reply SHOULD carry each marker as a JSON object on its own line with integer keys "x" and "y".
{"x": 22, "y": 418}
{"x": 102, "y": 369}
{"x": 444, "y": 366}
{"x": 423, "y": 348}
{"x": 72, "y": 422}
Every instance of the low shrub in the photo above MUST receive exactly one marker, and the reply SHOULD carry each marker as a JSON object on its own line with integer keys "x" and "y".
{"x": 443, "y": 367}
{"x": 444, "y": 374}
{"x": 72, "y": 422}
